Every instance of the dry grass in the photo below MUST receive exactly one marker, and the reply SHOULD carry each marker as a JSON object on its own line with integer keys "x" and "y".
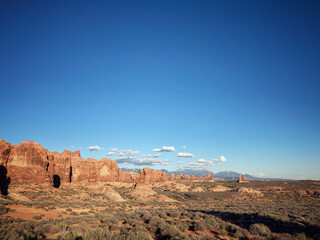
{"x": 287, "y": 210}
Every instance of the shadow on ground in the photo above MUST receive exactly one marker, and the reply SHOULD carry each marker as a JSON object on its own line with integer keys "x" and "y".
{"x": 276, "y": 226}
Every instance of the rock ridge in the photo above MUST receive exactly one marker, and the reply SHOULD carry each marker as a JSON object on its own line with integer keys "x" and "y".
{"x": 30, "y": 162}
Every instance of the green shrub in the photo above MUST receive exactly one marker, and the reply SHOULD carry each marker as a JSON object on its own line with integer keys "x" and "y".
{"x": 37, "y": 217}
{"x": 3, "y": 210}
{"x": 169, "y": 231}
{"x": 259, "y": 229}
{"x": 242, "y": 233}
{"x": 301, "y": 236}
{"x": 198, "y": 226}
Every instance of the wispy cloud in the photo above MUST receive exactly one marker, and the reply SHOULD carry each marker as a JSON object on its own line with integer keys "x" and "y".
{"x": 164, "y": 149}
{"x": 128, "y": 152}
{"x": 258, "y": 174}
{"x": 179, "y": 162}
{"x": 94, "y": 148}
{"x": 110, "y": 153}
{"x": 203, "y": 163}
{"x": 186, "y": 155}
{"x": 184, "y": 147}
{"x": 141, "y": 161}
{"x": 114, "y": 149}
{"x": 151, "y": 155}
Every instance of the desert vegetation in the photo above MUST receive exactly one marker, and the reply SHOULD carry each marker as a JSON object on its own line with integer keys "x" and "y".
{"x": 195, "y": 210}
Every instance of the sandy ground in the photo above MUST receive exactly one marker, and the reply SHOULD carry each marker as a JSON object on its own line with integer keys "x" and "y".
{"x": 27, "y": 213}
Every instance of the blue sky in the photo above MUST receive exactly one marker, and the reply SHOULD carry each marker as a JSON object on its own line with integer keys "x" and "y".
{"x": 238, "y": 79}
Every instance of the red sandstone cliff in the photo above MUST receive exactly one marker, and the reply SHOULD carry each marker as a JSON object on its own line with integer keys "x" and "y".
{"x": 30, "y": 162}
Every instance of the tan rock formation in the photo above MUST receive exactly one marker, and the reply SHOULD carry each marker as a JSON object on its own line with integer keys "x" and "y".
{"x": 242, "y": 179}
{"x": 171, "y": 177}
{"x": 179, "y": 177}
{"x": 187, "y": 177}
{"x": 208, "y": 177}
{"x": 149, "y": 175}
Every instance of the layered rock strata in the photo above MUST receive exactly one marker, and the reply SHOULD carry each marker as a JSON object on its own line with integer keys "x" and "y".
{"x": 30, "y": 162}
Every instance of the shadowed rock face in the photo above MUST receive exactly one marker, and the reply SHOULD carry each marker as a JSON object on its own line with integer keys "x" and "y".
{"x": 4, "y": 181}
{"x": 30, "y": 162}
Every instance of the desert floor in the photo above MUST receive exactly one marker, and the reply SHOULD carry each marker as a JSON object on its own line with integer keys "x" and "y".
{"x": 170, "y": 210}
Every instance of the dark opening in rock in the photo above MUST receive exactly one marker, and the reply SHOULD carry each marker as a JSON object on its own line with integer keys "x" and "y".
{"x": 47, "y": 167}
{"x": 4, "y": 180}
{"x": 70, "y": 174}
{"x": 56, "y": 181}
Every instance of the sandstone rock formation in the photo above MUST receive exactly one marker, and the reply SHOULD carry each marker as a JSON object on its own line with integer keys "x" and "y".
{"x": 187, "y": 177}
{"x": 30, "y": 162}
{"x": 242, "y": 179}
{"x": 179, "y": 177}
{"x": 149, "y": 175}
{"x": 171, "y": 177}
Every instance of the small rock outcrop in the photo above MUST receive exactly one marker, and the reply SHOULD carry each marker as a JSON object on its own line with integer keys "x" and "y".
{"x": 242, "y": 179}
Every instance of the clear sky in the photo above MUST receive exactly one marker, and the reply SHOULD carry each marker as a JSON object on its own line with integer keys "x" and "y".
{"x": 239, "y": 79}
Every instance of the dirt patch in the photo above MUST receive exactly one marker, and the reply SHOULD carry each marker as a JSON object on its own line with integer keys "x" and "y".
{"x": 27, "y": 213}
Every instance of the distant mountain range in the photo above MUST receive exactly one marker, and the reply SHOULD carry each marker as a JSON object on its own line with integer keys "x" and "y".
{"x": 226, "y": 175}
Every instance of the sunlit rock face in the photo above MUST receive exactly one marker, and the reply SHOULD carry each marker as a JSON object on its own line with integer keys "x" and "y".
{"x": 30, "y": 162}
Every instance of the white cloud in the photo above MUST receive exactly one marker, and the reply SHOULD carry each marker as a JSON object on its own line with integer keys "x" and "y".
{"x": 110, "y": 153}
{"x": 184, "y": 147}
{"x": 114, "y": 149}
{"x": 128, "y": 152}
{"x": 201, "y": 160}
{"x": 203, "y": 163}
{"x": 94, "y": 148}
{"x": 179, "y": 162}
{"x": 186, "y": 155}
{"x": 223, "y": 159}
{"x": 141, "y": 162}
{"x": 164, "y": 149}
{"x": 151, "y": 155}
{"x": 258, "y": 174}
